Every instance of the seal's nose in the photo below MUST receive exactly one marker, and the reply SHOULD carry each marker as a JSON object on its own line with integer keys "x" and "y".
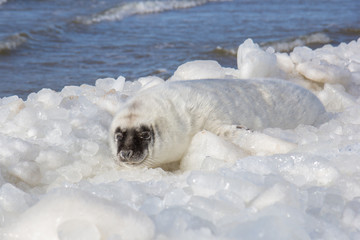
{"x": 125, "y": 155}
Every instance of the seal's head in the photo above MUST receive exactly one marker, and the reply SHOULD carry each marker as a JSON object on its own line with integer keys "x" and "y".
{"x": 148, "y": 133}
{"x": 132, "y": 144}
{"x": 131, "y": 136}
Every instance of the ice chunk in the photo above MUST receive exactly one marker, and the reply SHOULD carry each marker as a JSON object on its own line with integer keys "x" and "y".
{"x": 78, "y": 229}
{"x": 108, "y": 84}
{"x": 150, "y": 81}
{"x": 71, "y": 174}
{"x": 300, "y": 170}
{"x": 13, "y": 199}
{"x": 206, "y": 183}
{"x": 269, "y": 227}
{"x": 269, "y": 197}
{"x": 132, "y": 87}
{"x": 52, "y": 158}
{"x": 323, "y": 72}
{"x": 176, "y": 222}
{"x": 28, "y": 172}
{"x": 64, "y": 213}
{"x": 9, "y": 107}
{"x": 323, "y": 65}
{"x": 71, "y": 92}
{"x": 351, "y": 215}
{"x": 26, "y": 118}
{"x": 54, "y": 132}
{"x": 335, "y": 98}
{"x": 255, "y": 165}
{"x": 210, "y": 163}
{"x": 301, "y": 54}
{"x": 105, "y": 84}
{"x": 152, "y": 206}
{"x": 199, "y": 69}
{"x": 284, "y": 62}
{"x": 47, "y": 97}
{"x": 89, "y": 148}
{"x": 176, "y": 197}
{"x": 213, "y": 209}
{"x": 254, "y": 62}
{"x": 119, "y": 83}
{"x": 16, "y": 150}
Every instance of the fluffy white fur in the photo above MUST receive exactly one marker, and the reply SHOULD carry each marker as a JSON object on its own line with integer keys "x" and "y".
{"x": 178, "y": 110}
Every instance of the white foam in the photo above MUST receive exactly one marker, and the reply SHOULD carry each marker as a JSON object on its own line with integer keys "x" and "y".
{"x": 141, "y": 7}
{"x": 59, "y": 180}
{"x": 14, "y": 41}
{"x": 287, "y": 45}
{"x": 290, "y": 44}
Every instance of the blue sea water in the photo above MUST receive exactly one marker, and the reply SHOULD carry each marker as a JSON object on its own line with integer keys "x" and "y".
{"x": 52, "y": 44}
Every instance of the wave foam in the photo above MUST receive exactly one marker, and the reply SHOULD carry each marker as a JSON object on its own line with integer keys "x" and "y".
{"x": 2, "y": 1}
{"x": 306, "y": 40}
{"x": 286, "y": 45}
{"x": 138, "y": 8}
{"x": 12, "y": 42}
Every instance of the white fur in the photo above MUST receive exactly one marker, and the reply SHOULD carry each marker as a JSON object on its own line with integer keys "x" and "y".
{"x": 179, "y": 110}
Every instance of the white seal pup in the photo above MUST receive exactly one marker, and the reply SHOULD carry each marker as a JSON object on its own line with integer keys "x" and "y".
{"x": 156, "y": 126}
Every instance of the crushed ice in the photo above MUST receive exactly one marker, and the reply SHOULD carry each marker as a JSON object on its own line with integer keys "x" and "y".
{"x": 59, "y": 181}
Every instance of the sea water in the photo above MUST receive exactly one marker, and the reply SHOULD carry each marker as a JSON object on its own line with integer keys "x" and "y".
{"x": 58, "y": 179}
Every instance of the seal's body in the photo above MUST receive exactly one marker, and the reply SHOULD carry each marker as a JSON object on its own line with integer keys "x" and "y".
{"x": 156, "y": 126}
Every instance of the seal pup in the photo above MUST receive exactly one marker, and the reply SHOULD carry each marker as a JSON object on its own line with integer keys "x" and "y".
{"x": 155, "y": 127}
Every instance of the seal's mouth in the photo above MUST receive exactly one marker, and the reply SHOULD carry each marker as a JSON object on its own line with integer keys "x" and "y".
{"x": 128, "y": 158}
{"x": 134, "y": 163}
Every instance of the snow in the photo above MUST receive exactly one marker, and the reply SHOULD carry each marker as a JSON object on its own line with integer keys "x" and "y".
{"x": 59, "y": 181}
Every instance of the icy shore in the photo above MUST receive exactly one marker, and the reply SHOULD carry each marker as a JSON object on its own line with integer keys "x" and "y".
{"x": 59, "y": 181}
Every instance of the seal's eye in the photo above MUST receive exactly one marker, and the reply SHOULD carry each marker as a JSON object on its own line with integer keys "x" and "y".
{"x": 145, "y": 135}
{"x": 118, "y": 136}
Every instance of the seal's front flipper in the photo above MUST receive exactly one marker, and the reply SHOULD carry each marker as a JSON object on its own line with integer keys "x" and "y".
{"x": 229, "y": 132}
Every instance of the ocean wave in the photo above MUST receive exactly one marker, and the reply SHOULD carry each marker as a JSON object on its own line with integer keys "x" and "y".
{"x": 306, "y": 40}
{"x": 2, "y": 1}
{"x": 286, "y": 45}
{"x": 225, "y": 51}
{"x": 350, "y": 30}
{"x": 12, "y": 42}
{"x": 138, "y": 8}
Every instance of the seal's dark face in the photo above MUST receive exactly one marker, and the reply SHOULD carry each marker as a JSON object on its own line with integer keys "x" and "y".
{"x": 132, "y": 144}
